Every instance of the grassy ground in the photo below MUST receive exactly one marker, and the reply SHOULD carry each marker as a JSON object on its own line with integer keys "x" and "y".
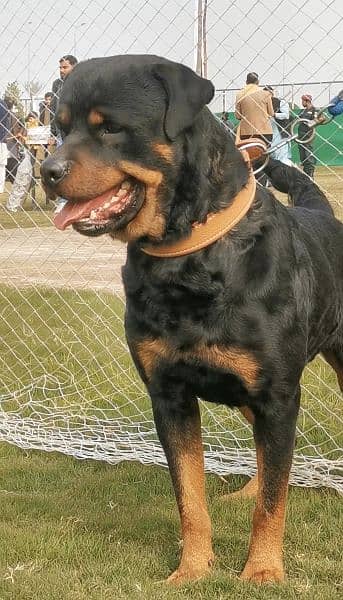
{"x": 87, "y": 530}
{"x": 41, "y": 217}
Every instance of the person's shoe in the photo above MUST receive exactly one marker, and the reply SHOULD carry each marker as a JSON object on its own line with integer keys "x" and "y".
{"x": 9, "y": 210}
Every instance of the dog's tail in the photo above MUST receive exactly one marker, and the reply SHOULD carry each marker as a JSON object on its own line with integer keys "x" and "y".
{"x": 301, "y": 189}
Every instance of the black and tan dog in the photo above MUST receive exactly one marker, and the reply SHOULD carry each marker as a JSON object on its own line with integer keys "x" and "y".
{"x": 229, "y": 293}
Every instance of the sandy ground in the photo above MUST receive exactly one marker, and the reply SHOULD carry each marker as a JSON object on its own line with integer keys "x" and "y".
{"x": 47, "y": 257}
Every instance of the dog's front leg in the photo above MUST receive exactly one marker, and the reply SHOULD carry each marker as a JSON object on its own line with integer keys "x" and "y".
{"x": 274, "y": 433}
{"x": 177, "y": 418}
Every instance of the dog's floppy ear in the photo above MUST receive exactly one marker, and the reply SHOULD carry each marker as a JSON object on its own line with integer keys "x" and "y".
{"x": 187, "y": 94}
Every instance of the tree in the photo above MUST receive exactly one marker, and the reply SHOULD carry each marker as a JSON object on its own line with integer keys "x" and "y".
{"x": 33, "y": 88}
{"x": 13, "y": 91}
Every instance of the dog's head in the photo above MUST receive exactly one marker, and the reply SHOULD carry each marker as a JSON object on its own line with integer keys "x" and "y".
{"x": 126, "y": 120}
{"x": 142, "y": 155}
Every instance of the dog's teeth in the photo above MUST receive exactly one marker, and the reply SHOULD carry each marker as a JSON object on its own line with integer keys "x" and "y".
{"x": 113, "y": 199}
{"x": 125, "y": 185}
{"x": 106, "y": 205}
{"x": 122, "y": 192}
{"x": 93, "y": 214}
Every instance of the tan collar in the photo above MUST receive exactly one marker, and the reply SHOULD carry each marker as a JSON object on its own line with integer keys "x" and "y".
{"x": 215, "y": 226}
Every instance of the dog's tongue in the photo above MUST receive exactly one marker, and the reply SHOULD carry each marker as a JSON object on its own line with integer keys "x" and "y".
{"x": 74, "y": 211}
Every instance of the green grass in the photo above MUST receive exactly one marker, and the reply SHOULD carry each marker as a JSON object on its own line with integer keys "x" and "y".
{"x": 27, "y": 217}
{"x": 86, "y": 530}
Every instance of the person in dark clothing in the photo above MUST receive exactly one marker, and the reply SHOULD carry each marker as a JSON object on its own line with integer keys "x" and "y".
{"x": 336, "y": 105}
{"x": 306, "y": 153}
{"x": 45, "y": 109}
{"x": 228, "y": 124}
{"x": 67, "y": 64}
{"x": 15, "y": 141}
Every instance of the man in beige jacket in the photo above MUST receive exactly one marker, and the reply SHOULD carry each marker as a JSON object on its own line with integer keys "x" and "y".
{"x": 253, "y": 109}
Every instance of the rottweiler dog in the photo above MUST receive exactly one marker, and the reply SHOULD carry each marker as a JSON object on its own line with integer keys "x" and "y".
{"x": 229, "y": 294}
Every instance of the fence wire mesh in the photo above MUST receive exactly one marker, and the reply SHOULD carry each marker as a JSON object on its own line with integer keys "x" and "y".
{"x": 67, "y": 381}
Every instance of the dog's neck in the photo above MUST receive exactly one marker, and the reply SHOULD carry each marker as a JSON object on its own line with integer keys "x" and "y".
{"x": 218, "y": 192}
{"x": 216, "y": 225}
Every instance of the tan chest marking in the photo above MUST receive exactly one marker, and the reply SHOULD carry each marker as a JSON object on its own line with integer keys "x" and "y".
{"x": 240, "y": 362}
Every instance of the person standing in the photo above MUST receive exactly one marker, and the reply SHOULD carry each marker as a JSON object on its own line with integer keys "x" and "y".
{"x": 67, "y": 64}
{"x": 306, "y": 154}
{"x": 45, "y": 109}
{"x": 253, "y": 109}
{"x": 5, "y": 126}
{"x": 280, "y": 123}
{"x": 13, "y": 146}
{"x": 23, "y": 178}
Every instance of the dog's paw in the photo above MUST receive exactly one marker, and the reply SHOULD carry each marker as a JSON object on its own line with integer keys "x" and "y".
{"x": 246, "y": 492}
{"x": 191, "y": 572}
{"x": 259, "y": 573}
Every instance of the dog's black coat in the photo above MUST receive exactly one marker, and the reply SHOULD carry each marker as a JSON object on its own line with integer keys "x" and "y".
{"x": 271, "y": 289}
{"x": 301, "y": 190}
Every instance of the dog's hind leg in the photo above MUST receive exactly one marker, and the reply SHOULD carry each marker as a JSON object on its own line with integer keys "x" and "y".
{"x": 274, "y": 433}
{"x": 250, "y": 488}
{"x": 334, "y": 358}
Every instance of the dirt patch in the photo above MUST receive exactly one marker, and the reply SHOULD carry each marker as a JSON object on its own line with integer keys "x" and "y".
{"x": 47, "y": 257}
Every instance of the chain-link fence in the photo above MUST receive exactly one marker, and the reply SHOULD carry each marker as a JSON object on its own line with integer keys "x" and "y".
{"x": 67, "y": 381}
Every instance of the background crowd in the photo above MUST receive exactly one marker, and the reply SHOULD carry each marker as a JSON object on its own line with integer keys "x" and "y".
{"x": 259, "y": 112}
{"x": 24, "y": 144}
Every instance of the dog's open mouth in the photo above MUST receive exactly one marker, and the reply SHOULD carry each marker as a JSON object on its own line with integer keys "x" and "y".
{"x": 111, "y": 210}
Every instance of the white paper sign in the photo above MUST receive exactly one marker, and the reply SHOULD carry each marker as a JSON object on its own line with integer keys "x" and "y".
{"x": 38, "y": 135}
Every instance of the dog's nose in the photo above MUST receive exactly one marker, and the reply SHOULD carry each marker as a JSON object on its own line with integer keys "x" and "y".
{"x": 54, "y": 170}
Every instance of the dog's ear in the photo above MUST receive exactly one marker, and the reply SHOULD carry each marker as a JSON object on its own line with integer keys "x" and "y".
{"x": 187, "y": 94}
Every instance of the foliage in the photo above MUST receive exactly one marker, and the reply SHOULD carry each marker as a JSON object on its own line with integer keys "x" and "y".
{"x": 33, "y": 87}
{"x": 13, "y": 91}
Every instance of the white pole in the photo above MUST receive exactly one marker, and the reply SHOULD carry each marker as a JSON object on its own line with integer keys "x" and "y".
{"x": 204, "y": 39}
{"x": 199, "y": 42}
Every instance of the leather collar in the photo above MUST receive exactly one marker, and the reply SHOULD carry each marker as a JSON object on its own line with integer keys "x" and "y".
{"x": 215, "y": 226}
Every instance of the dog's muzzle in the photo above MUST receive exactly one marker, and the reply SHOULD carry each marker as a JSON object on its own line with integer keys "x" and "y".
{"x": 54, "y": 170}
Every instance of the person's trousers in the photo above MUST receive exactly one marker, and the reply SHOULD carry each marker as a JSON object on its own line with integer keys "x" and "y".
{"x": 3, "y": 163}
{"x": 307, "y": 158}
{"x": 21, "y": 183}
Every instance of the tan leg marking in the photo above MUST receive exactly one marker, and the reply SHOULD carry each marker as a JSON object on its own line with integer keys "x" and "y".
{"x": 197, "y": 554}
{"x": 250, "y": 489}
{"x": 265, "y": 553}
{"x": 333, "y": 361}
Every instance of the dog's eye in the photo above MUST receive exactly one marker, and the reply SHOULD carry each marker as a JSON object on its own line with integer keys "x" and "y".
{"x": 109, "y": 128}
